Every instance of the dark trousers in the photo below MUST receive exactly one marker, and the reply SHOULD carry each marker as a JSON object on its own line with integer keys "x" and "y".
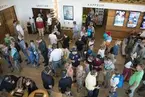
{"x": 45, "y": 58}
{"x": 142, "y": 88}
{"x": 90, "y": 93}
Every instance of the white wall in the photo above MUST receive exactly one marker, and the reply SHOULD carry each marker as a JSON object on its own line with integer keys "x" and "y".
{"x": 23, "y": 8}
{"x": 79, "y": 4}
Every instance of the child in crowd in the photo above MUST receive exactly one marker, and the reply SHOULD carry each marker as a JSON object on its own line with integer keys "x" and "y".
{"x": 91, "y": 44}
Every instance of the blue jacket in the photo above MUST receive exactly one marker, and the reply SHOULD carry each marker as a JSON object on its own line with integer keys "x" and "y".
{"x": 115, "y": 50}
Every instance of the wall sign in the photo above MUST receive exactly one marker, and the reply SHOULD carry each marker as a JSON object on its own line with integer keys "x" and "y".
{"x": 96, "y": 5}
{"x": 3, "y": 6}
{"x": 41, "y": 5}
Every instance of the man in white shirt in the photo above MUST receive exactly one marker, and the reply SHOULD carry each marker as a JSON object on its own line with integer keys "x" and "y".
{"x": 49, "y": 23}
{"x": 90, "y": 82}
{"x": 52, "y": 38}
{"x": 20, "y": 31}
{"x": 56, "y": 58}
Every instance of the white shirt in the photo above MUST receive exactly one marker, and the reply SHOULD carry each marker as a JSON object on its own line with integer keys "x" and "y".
{"x": 128, "y": 64}
{"x": 82, "y": 33}
{"x": 56, "y": 55}
{"x": 101, "y": 52}
{"x": 53, "y": 39}
{"x": 39, "y": 19}
{"x": 90, "y": 81}
{"x": 20, "y": 31}
{"x": 49, "y": 21}
{"x": 114, "y": 81}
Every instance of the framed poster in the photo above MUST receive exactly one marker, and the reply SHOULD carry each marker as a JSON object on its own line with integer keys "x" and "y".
{"x": 119, "y": 18}
{"x": 133, "y": 19}
{"x": 143, "y": 23}
{"x": 68, "y": 12}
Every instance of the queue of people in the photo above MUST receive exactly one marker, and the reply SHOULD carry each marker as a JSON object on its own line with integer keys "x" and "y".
{"x": 80, "y": 64}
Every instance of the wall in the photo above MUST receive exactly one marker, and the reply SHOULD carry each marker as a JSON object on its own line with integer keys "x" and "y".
{"x": 78, "y": 5}
{"x": 23, "y": 8}
{"x": 120, "y": 32}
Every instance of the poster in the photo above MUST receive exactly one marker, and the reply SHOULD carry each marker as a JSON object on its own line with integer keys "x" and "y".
{"x": 143, "y": 23}
{"x": 133, "y": 19}
{"x": 119, "y": 18}
{"x": 68, "y": 12}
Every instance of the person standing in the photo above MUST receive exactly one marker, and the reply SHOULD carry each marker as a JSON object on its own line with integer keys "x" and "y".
{"x": 79, "y": 44}
{"x": 36, "y": 53}
{"x": 90, "y": 82}
{"x": 43, "y": 49}
{"x": 20, "y": 31}
{"x": 23, "y": 47}
{"x": 75, "y": 31}
{"x": 80, "y": 77}
{"x": 15, "y": 58}
{"x": 65, "y": 83}
{"x": 108, "y": 68}
{"x": 53, "y": 38}
{"x": 56, "y": 58}
{"x": 66, "y": 41}
{"x": 47, "y": 79}
{"x": 49, "y": 23}
{"x": 40, "y": 25}
{"x": 135, "y": 79}
{"x": 115, "y": 48}
{"x": 127, "y": 70}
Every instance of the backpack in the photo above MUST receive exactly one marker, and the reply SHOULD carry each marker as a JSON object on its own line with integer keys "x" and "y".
{"x": 89, "y": 31}
{"x": 121, "y": 80}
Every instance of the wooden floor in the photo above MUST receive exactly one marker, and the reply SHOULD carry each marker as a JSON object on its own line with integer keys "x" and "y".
{"x": 34, "y": 73}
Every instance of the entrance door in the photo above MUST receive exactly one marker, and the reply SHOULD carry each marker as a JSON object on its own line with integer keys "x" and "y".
{"x": 9, "y": 16}
{"x": 3, "y": 28}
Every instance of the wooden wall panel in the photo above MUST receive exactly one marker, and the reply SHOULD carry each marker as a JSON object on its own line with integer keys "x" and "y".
{"x": 120, "y": 32}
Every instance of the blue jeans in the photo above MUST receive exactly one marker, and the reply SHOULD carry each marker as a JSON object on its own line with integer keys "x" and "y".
{"x": 56, "y": 64}
{"x": 90, "y": 93}
{"x": 37, "y": 57}
{"x": 132, "y": 92}
{"x": 8, "y": 60}
{"x": 24, "y": 50}
{"x": 17, "y": 65}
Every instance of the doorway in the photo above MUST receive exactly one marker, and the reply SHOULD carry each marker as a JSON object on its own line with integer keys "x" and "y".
{"x": 43, "y": 13}
{"x": 99, "y": 18}
{"x": 7, "y": 16}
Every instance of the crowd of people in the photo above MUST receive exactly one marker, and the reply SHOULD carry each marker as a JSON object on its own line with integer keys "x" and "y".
{"x": 79, "y": 64}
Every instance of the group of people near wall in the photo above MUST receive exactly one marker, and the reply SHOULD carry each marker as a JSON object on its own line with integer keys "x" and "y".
{"x": 80, "y": 64}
